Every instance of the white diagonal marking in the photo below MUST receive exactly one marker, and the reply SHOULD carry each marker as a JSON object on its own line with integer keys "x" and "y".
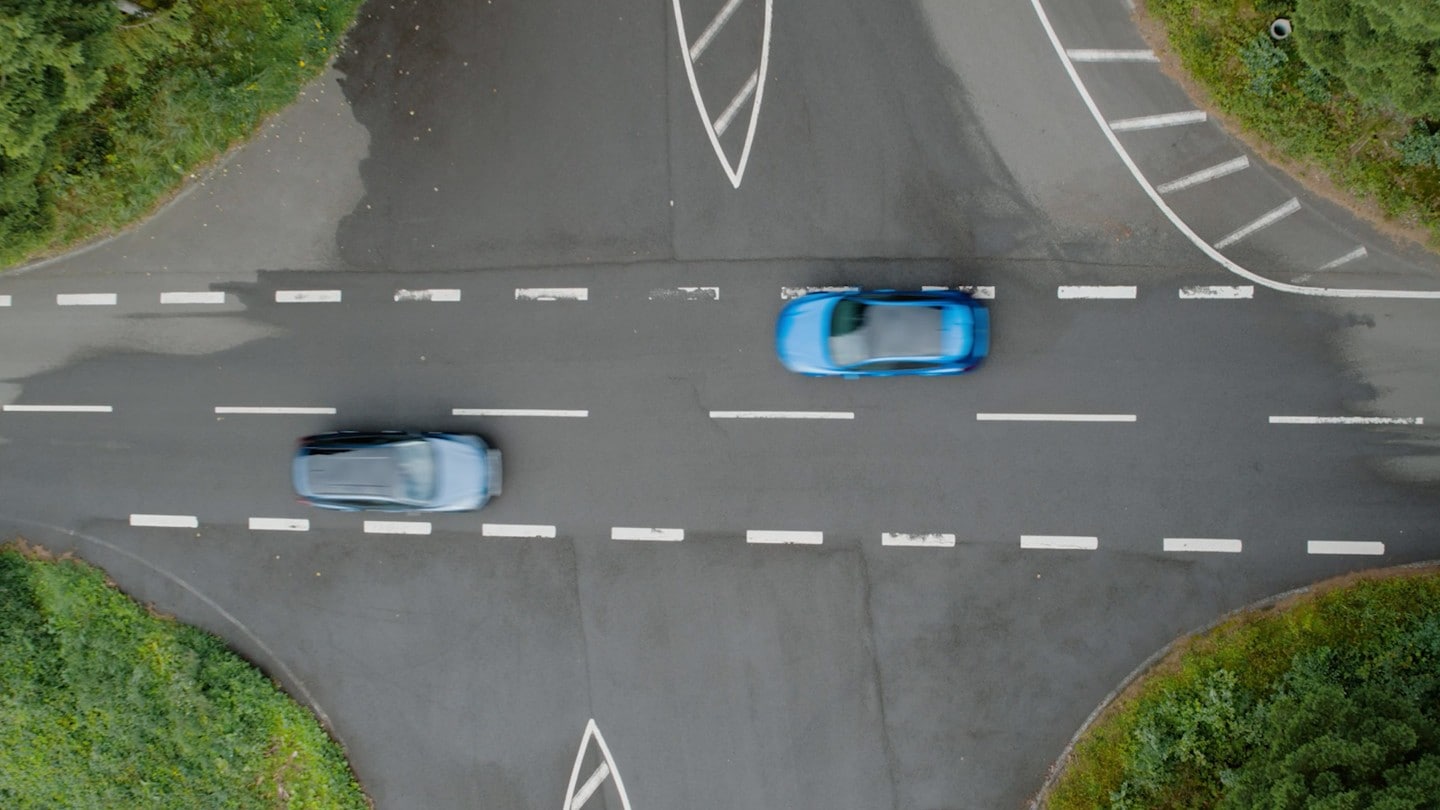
{"x": 723, "y": 122}
{"x": 1264, "y": 221}
{"x": 1158, "y": 121}
{"x": 1357, "y": 253}
{"x": 592, "y": 732}
{"x": 1097, "y": 55}
{"x": 588, "y": 789}
{"x": 714, "y": 28}
{"x": 736, "y": 172}
{"x": 1205, "y": 175}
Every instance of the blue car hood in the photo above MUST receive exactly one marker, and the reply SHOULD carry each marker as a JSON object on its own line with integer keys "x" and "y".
{"x": 801, "y": 333}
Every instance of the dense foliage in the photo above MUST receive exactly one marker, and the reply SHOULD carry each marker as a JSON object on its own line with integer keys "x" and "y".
{"x": 1387, "y": 52}
{"x": 103, "y": 705}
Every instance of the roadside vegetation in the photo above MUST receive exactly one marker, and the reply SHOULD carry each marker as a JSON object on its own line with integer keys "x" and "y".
{"x": 1353, "y": 91}
{"x": 1329, "y": 700}
{"x": 105, "y": 705}
{"x": 104, "y": 113}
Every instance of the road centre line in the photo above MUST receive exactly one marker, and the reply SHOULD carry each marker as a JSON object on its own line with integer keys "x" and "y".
{"x": 637, "y": 533}
{"x": 1263, "y": 221}
{"x": 1055, "y": 417}
{"x": 307, "y": 296}
{"x": 86, "y": 299}
{"x": 784, "y": 537}
{"x": 1344, "y": 547}
{"x": 552, "y": 293}
{"x": 1347, "y": 420}
{"x": 1205, "y": 175}
{"x": 918, "y": 540}
{"x": 703, "y": 41}
{"x": 1213, "y": 544}
{"x": 790, "y": 293}
{"x": 446, "y": 295}
{"x": 59, "y": 409}
{"x": 1158, "y": 121}
{"x": 1234, "y": 292}
{"x": 166, "y": 521}
{"x": 192, "y": 297}
{"x": 396, "y": 527}
{"x": 516, "y": 530}
{"x": 262, "y": 524}
{"x": 723, "y": 122}
{"x": 1059, "y": 542}
{"x": 517, "y": 412}
{"x": 686, "y": 294}
{"x": 1096, "y": 55}
{"x": 985, "y": 293}
{"x": 1357, "y": 253}
{"x": 1096, "y": 291}
{"x": 782, "y": 415}
{"x": 273, "y": 410}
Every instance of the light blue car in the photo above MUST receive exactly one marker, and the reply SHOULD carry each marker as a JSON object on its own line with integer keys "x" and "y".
{"x": 883, "y": 333}
{"x": 396, "y": 471}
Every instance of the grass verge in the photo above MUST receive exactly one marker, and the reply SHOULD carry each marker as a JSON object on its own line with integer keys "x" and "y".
{"x": 103, "y": 704}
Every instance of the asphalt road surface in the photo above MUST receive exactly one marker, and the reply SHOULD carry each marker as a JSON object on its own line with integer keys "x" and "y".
{"x": 765, "y": 591}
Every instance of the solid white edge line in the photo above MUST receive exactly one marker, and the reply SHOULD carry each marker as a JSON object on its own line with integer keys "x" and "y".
{"x": 192, "y": 297}
{"x": 552, "y": 293}
{"x": 262, "y": 524}
{"x": 516, "y": 530}
{"x": 396, "y": 527}
{"x": 518, "y": 412}
{"x": 782, "y": 415}
{"x": 1217, "y": 292}
{"x": 1261, "y": 222}
{"x": 307, "y": 296}
{"x": 1059, "y": 542}
{"x": 1347, "y": 420}
{"x": 1158, "y": 121}
{"x": 165, "y": 521}
{"x": 1211, "y": 544}
{"x": 592, "y": 732}
{"x": 1101, "y": 55}
{"x": 59, "y": 409}
{"x": 446, "y": 295}
{"x": 233, "y": 409}
{"x": 1205, "y": 175}
{"x": 639, "y": 533}
{"x": 1170, "y": 214}
{"x": 1069, "y": 291}
{"x": 86, "y": 299}
{"x": 917, "y": 540}
{"x": 1368, "y": 548}
{"x": 784, "y": 537}
{"x": 1055, "y": 417}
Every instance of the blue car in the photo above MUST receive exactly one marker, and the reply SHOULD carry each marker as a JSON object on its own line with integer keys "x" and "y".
{"x": 396, "y": 471}
{"x": 883, "y": 333}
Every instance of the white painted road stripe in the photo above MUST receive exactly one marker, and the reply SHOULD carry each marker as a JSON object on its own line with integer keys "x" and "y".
{"x": 517, "y": 412}
{"x": 1205, "y": 175}
{"x": 279, "y": 524}
{"x": 427, "y": 295}
{"x": 597, "y": 778}
{"x": 1104, "y": 291}
{"x": 267, "y": 411}
{"x": 703, "y": 41}
{"x": 1242, "y": 291}
{"x": 86, "y": 299}
{"x": 1347, "y": 420}
{"x": 636, "y": 533}
{"x": 918, "y": 540}
{"x": 788, "y": 293}
{"x": 516, "y": 530}
{"x": 686, "y": 294}
{"x": 1094, "y": 55}
{"x": 1059, "y": 541}
{"x": 1343, "y": 547}
{"x": 1357, "y": 253}
{"x": 723, "y": 122}
{"x": 1055, "y": 417}
{"x": 1202, "y": 544}
{"x": 167, "y": 521}
{"x": 782, "y": 415}
{"x": 978, "y": 292}
{"x": 1158, "y": 121}
{"x": 59, "y": 409}
{"x": 307, "y": 296}
{"x": 784, "y": 538}
{"x": 552, "y": 293}
{"x": 192, "y": 297}
{"x": 1264, "y": 221}
{"x": 396, "y": 527}
{"x": 4, "y": 300}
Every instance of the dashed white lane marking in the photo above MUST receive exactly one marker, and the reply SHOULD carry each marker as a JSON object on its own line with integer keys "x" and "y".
{"x": 192, "y": 297}
{"x": 784, "y": 538}
{"x": 1214, "y": 544}
{"x": 1242, "y": 291}
{"x": 166, "y": 521}
{"x": 1264, "y": 221}
{"x": 516, "y": 530}
{"x": 703, "y": 41}
{"x": 518, "y": 412}
{"x": 1055, "y": 417}
{"x": 447, "y": 295}
{"x": 307, "y": 296}
{"x": 575, "y": 799}
{"x": 1205, "y": 175}
{"x": 737, "y": 171}
{"x": 1357, "y": 253}
{"x": 59, "y": 409}
{"x": 686, "y": 294}
{"x": 1097, "y": 55}
{"x": 637, "y": 533}
{"x": 267, "y": 410}
{"x": 4, "y": 300}
{"x": 782, "y": 415}
{"x": 1094, "y": 291}
{"x": 918, "y": 540}
{"x": 986, "y": 293}
{"x": 723, "y": 122}
{"x": 1344, "y": 547}
{"x": 552, "y": 294}
{"x": 789, "y": 293}
{"x": 1059, "y": 541}
{"x": 86, "y": 299}
{"x": 396, "y": 527}
{"x": 260, "y": 524}
{"x": 1347, "y": 420}
{"x": 1158, "y": 121}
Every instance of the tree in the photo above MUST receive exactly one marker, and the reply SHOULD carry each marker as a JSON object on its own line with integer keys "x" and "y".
{"x": 1386, "y": 52}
